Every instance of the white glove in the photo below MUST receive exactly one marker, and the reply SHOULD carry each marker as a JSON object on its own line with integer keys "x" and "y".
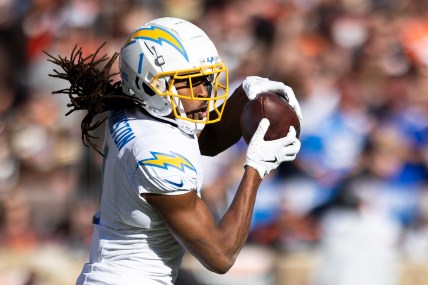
{"x": 264, "y": 156}
{"x": 254, "y": 85}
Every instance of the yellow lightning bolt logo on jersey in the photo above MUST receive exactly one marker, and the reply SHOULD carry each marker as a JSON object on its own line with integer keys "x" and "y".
{"x": 157, "y": 35}
{"x": 163, "y": 160}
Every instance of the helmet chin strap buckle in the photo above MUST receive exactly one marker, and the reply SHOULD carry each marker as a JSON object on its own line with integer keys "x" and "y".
{"x": 189, "y": 128}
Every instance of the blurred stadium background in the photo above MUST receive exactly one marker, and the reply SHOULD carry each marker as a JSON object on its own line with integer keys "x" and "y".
{"x": 352, "y": 209}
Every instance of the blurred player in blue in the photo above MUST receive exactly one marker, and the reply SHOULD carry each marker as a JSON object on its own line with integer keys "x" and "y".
{"x": 168, "y": 110}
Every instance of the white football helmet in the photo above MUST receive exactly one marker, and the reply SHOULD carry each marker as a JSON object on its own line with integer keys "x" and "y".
{"x": 162, "y": 51}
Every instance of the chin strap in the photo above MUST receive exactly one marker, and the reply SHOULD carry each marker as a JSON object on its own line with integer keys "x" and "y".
{"x": 184, "y": 126}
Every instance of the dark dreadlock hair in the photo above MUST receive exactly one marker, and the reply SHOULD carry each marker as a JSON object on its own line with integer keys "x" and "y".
{"x": 91, "y": 89}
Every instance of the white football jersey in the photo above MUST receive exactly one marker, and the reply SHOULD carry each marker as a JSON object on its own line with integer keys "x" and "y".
{"x": 131, "y": 244}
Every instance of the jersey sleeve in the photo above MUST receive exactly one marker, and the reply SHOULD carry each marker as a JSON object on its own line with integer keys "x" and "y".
{"x": 159, "y": 170}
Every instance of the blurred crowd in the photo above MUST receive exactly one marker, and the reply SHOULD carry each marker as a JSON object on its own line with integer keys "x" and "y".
{"x": 356, "y": 198}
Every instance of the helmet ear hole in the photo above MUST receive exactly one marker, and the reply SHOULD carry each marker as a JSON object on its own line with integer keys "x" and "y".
{"x": 149, "y": 91}
{"x": 137, "y": 82}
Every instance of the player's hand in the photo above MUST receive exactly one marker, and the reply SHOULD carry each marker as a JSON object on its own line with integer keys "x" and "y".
{"x": 254, "y": 85}
{"x": 264, "y": 156}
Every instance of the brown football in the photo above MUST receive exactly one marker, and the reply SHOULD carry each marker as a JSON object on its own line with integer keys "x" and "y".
{"x": 273, "y": 107}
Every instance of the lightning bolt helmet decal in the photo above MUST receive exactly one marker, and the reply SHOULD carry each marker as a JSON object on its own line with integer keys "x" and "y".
{"x": 157, "y": 35}
{"x": 164, "y": 160}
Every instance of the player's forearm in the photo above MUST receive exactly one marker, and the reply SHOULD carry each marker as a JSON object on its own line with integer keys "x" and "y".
{"x": 219, "y": 136}
{"x": 235, "y": 224}
{"x": 218, "y": 249}
{"x": 188, "y": 218}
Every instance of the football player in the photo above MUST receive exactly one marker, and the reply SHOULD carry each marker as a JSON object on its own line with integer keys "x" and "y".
{"x": 170, "y": 107}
